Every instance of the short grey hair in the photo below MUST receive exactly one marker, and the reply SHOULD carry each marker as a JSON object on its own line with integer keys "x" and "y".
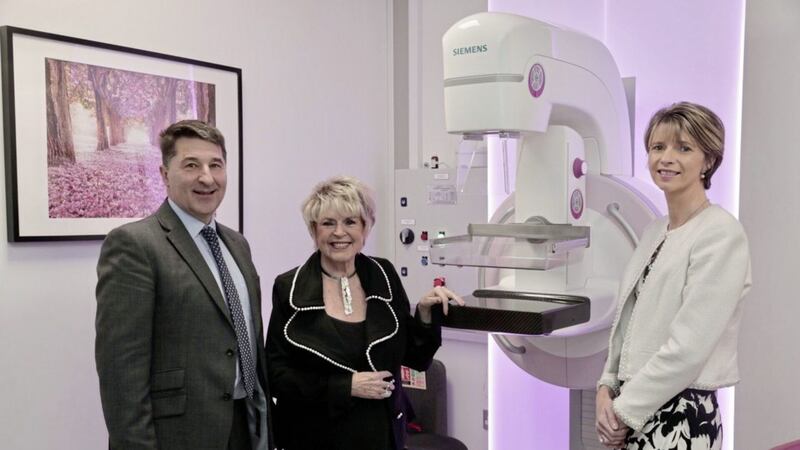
{"x": 343, "y": 195}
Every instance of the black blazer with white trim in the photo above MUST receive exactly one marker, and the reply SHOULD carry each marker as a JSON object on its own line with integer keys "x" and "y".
{"x": 310, "y": 382}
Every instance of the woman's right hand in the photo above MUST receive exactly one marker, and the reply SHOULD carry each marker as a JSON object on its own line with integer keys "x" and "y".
{"x": 610, "y": 430}
{"x": 372, "y": 385}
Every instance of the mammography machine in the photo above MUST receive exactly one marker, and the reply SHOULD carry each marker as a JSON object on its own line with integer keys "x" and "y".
{"x": 552, "y": 254}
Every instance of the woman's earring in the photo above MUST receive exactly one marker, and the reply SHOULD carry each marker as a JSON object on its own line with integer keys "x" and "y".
{"x": 703, "y": 175}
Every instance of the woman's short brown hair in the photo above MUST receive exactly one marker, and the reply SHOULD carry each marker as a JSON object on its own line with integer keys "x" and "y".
{"x": 701, "y": 124}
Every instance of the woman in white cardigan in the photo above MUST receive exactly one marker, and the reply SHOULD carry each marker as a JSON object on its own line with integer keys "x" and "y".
{"x": 674, "y": 338}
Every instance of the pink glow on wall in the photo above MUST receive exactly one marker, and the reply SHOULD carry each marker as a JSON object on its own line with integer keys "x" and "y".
{"x": 524, "y": 413}
{"x": 683, "y": 50}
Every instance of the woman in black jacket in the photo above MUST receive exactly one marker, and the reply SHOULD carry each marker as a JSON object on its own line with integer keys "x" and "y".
{"x": 340, "y": 329}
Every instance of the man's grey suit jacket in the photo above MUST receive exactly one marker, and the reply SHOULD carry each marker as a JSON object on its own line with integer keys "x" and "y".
{"x": 165, "y": 347}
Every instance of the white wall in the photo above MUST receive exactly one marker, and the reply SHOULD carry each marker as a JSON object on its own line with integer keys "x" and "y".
{"x": 316, "y": 80}
{"x": 767, "y": 399}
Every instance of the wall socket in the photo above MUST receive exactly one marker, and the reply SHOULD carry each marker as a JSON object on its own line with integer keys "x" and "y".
{"x": 485, "y": 419}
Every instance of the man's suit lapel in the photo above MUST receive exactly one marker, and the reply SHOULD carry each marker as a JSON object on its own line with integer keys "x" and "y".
{"x": 185, "y": 246}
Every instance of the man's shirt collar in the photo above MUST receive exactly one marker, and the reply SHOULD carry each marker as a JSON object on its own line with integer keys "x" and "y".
{"x": 192, "y": 224}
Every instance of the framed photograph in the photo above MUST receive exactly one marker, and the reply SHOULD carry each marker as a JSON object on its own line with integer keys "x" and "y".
{"x": 81, "y": 121}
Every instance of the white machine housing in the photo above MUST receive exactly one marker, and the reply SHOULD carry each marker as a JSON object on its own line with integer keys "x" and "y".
{"x": 489, "y": 81}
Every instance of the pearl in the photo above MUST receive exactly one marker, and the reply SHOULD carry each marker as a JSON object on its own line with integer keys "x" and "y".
{"x": 386, "y": 301}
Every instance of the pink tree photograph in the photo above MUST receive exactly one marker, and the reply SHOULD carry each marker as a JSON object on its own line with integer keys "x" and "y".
{"x": 102, "y": 136}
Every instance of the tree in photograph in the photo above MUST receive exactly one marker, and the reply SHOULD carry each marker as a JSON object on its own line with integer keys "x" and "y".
{"x": 111, "y": 94}
{"x": 98, "y": 77}
{"x": 212, "y": 104}
{"x": 164, "y": 107}
{"x": 79, "y": 89}
{"x": 111, "y": 88}
{"x": 60, "y": 148}
{"x": 120, "y": 85}
{"x": 204, "y": 101}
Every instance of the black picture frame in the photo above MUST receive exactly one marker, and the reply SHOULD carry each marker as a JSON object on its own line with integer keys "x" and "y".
{"x": 32, "y": 212}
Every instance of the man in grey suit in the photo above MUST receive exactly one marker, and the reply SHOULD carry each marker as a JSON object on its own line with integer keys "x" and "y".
{"x": 179, "y": 346}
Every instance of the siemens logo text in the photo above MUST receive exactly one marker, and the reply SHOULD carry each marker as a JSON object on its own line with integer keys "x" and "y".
{"x": 467, "y": 50}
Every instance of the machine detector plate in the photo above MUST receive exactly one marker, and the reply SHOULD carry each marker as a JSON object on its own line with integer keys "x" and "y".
{"x": 517, "y": 312}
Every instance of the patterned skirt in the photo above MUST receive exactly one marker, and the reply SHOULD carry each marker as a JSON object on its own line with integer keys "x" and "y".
{"x": 691, "y": 420}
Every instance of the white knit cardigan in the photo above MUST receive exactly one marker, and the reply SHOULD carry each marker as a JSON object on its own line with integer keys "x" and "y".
{"x": 682, "y": 332}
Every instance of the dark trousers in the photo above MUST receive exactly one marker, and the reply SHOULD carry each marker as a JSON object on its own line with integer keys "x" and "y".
{"x": 240, "y": 431}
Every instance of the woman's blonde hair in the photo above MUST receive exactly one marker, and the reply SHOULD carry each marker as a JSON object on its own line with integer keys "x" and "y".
{"x": 699, "y": 122}
{"x": 341, "y": 195}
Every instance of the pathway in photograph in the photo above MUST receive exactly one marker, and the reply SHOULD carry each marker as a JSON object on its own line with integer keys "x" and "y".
{"x": 122, "y": 182}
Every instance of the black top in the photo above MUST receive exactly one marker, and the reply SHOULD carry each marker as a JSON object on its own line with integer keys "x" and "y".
{"x": 353, "y": 339}
{"x": 311, "y": 358}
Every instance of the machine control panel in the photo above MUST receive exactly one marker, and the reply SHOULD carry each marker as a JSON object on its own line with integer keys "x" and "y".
{"x": 432, "y": 204}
